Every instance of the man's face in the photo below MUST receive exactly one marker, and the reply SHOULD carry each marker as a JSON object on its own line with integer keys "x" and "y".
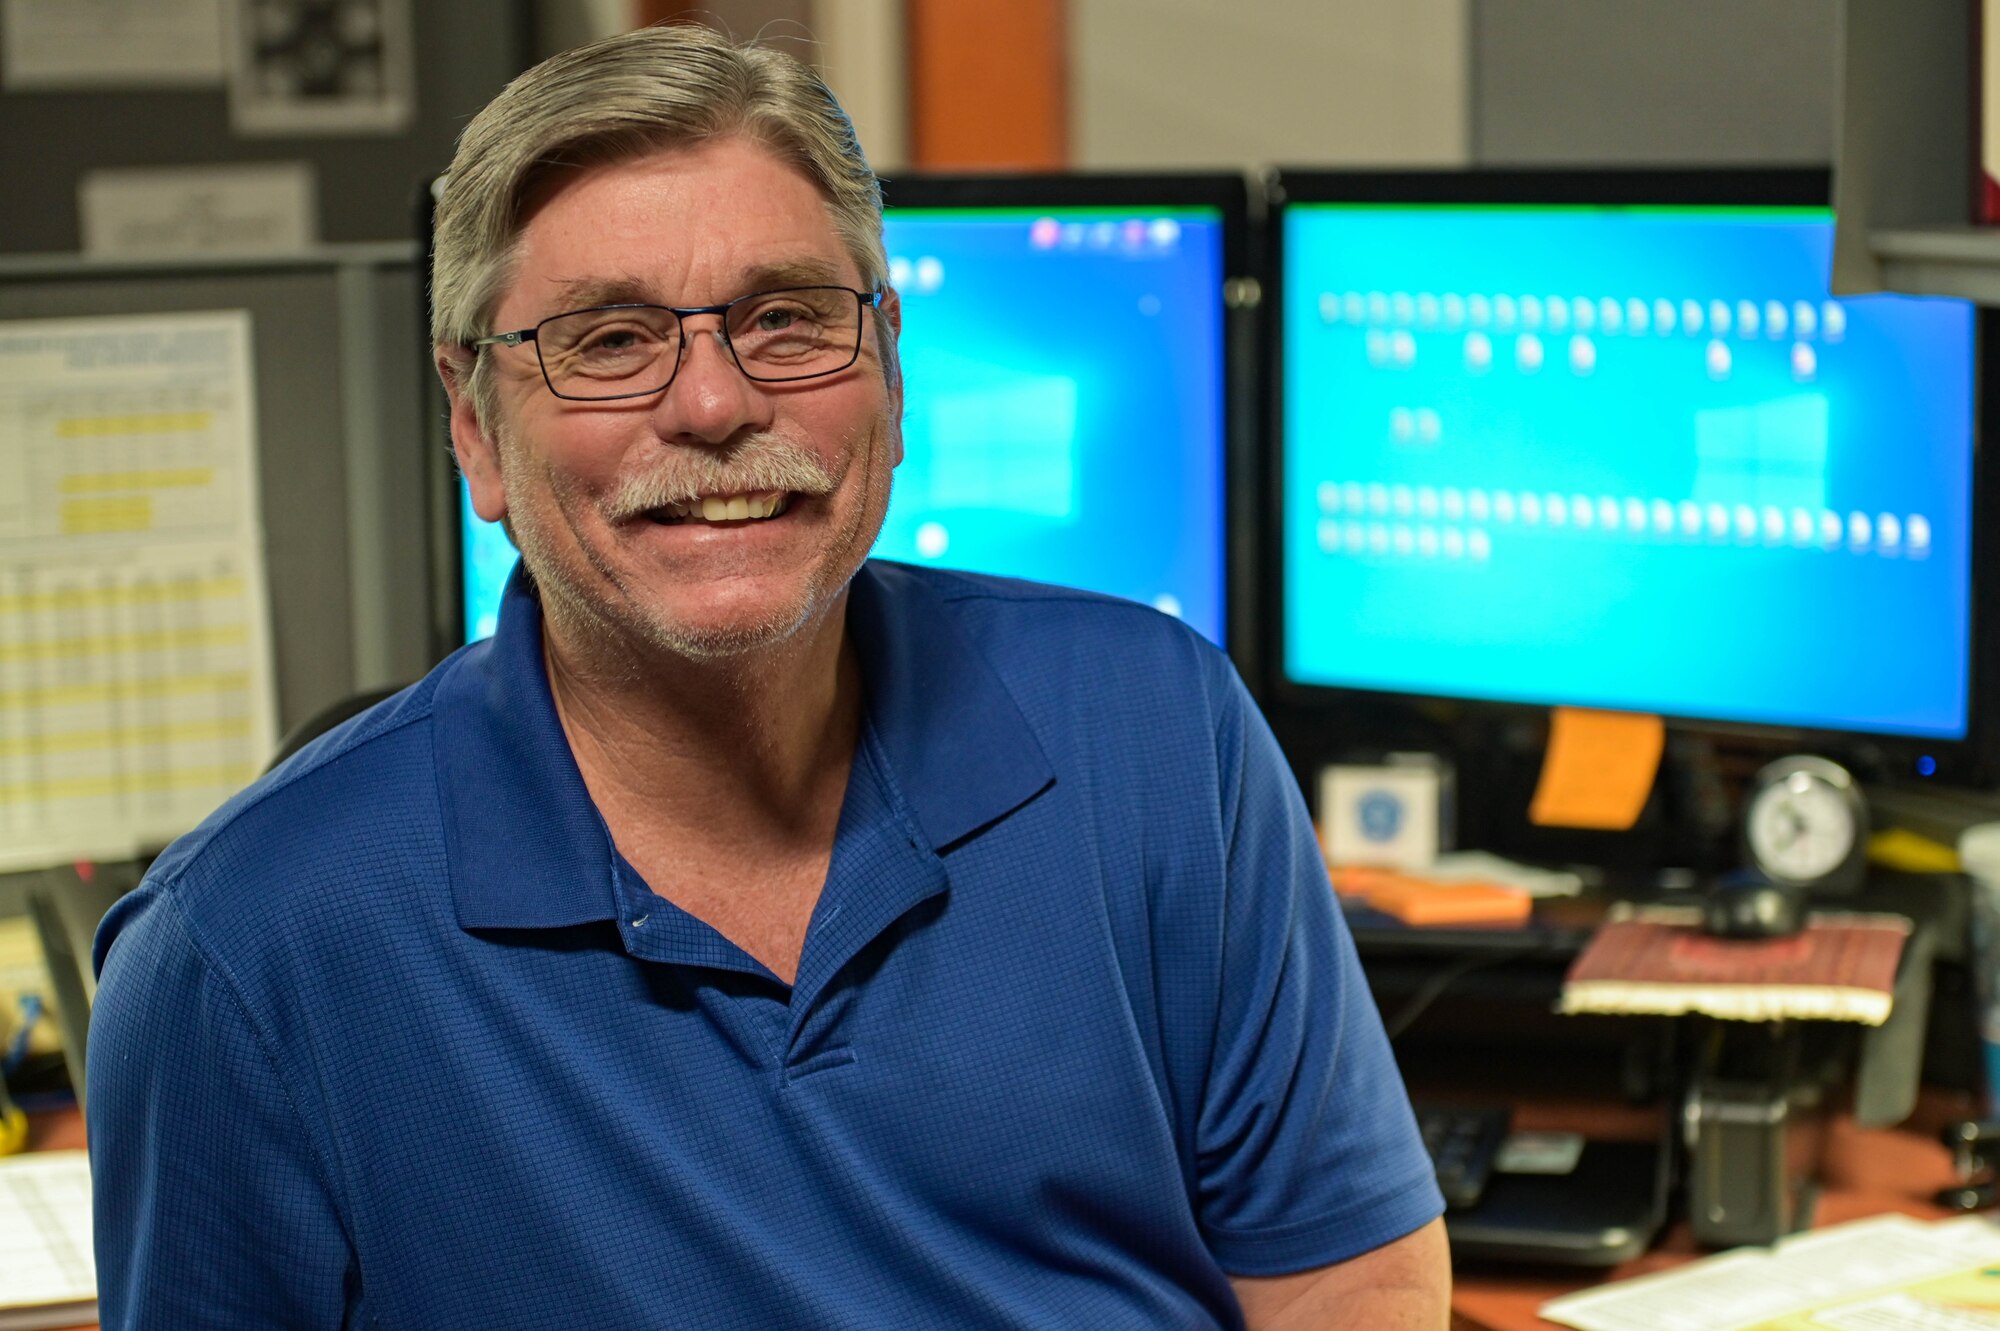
{"x": 596, "y": 492}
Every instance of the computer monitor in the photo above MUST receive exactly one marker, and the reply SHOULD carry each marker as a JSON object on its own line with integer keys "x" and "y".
{"x": 1607, "y": 439}
{"x": 1069, "y": 406}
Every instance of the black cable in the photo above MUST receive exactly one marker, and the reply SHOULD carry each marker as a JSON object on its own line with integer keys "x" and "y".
{"x": 1431, "y": 989}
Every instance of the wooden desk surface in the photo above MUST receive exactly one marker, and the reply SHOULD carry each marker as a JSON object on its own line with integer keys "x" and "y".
{"x": 58, "y": 1131}
{"x": 1866, "y": 1172}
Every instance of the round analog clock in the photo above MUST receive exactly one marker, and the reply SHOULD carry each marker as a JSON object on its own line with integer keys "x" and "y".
{"x": 1805, "y": 824}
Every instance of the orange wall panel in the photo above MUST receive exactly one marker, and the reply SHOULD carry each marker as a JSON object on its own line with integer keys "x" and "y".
{"x": 988, "y": 84}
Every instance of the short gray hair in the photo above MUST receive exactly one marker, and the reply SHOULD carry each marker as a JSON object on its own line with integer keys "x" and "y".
{"x": 673, "y": 85}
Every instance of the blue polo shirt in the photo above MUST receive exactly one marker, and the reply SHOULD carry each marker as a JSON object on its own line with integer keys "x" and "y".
{"x": 398, "y": 1038}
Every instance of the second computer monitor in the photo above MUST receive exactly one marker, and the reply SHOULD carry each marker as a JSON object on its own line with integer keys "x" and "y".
{"x": 1610, "y": 440}
{"x": 1067, "y": 387}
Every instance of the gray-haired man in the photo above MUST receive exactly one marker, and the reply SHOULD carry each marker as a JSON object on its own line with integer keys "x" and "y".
{"x": 748, "y": 934}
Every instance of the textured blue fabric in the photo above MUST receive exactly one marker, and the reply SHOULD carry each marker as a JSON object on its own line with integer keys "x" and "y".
{"x": 398, "y": 1039}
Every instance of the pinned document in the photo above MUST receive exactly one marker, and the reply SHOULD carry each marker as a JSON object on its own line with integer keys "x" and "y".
{"x": 1598, "y": 770}
{"x": 136, "y": 689}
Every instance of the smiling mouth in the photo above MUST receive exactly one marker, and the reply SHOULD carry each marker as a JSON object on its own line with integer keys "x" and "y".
{"x": 754, "y": 507}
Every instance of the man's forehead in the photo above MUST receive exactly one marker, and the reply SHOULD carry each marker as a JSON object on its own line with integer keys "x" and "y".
{"x": 759, "y": 242}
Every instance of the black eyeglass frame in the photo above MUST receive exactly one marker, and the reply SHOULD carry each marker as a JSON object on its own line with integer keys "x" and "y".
{"x": 865, "y": 300}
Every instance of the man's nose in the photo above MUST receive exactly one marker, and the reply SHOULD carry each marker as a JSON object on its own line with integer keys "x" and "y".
{"x": 710, "y": 398}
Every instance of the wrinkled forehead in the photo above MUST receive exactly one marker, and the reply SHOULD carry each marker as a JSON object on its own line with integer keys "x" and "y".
{"x": 752, "y": 223}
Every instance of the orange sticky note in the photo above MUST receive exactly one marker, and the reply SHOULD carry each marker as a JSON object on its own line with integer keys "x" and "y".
{"x": 1598, "y": 770}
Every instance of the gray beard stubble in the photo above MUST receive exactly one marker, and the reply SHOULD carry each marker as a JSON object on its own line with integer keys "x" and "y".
{"x": 760, "y": 463}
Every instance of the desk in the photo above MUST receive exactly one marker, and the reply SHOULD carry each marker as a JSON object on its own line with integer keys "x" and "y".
{"x": 1865, "y": 1172}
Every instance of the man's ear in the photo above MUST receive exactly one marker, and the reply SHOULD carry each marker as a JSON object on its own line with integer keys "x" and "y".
{"x": 892, "y": 309}
{"x": 477, "y": 451}
{"x": 891, "y": 312}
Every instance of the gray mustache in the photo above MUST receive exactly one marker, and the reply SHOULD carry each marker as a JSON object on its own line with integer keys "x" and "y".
{"x": 755, "y": 465}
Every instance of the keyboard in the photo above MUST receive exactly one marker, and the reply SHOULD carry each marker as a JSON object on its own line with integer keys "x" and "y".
{"x": 1463, "y": 1141}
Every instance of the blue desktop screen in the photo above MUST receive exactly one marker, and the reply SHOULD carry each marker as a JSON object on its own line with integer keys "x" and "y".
{"x": 1063, "y": 415}
{"x": 1623, "y": 457}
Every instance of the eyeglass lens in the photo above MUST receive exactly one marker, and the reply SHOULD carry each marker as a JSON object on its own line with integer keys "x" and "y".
{"x": 631, "y": 350}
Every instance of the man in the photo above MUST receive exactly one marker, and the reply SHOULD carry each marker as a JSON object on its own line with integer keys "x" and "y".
{"x": 748, "y": 935}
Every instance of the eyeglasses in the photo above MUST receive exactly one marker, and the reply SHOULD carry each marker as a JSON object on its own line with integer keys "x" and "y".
{"x": 614, "y": 351}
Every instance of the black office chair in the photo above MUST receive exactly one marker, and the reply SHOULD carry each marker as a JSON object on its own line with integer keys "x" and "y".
{"x": 326, "y": 718}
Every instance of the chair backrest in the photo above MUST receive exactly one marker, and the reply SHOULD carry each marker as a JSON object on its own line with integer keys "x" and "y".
{"x": 66, "y": 906}
{"x": 326, "y": 718}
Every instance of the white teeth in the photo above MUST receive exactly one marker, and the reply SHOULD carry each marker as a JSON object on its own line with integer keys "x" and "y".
{"x": 728, "y": 508}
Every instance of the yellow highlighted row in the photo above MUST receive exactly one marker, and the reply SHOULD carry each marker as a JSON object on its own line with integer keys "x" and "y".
{"x": 100, "y": 517}
{"x": 157, "y": 478}
{"x": 117, "y": 644}
{"x": 145, "y": 422}
{"x": 229, "y": 776}
{"x": 150, "y": 593}
{"x": 125, "y": 690}
{"x": 112, "y": 737}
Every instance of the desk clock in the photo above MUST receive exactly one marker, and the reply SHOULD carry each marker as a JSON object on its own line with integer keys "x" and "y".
{"x": 1806, "y": 825}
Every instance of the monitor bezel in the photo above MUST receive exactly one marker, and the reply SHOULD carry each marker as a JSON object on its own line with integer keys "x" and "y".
{"x": 1966, "y": 760}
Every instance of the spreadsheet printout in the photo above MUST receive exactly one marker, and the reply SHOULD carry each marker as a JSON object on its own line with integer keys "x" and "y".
{"x": 136, "y": 683}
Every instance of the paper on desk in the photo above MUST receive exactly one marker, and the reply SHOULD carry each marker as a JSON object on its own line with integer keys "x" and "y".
{"x": 47, "y": 1274}
{"x": 1480, "y": 867}
{"x": 1887, "y": 1273}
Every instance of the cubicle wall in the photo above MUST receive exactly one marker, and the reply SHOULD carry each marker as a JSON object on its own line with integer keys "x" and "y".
{"x": 339, "y": 370}
{"x": 61, "y": 129}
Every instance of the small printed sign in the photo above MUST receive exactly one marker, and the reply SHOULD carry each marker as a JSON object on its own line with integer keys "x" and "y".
{"x": 321, "y": 67}
{"x": 259, "y": 208}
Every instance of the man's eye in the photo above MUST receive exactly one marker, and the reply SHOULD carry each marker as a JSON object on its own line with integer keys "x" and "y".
{"x": 777, "y": 319}
{"x": 613, "y": 339}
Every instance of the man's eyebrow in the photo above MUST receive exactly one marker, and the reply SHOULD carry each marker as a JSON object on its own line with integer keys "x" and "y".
{"x": 583, "y": 293}
{"x": 792, "y": 273}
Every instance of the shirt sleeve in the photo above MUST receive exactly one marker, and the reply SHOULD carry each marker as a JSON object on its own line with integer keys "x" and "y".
{"x": 1306, "y": 1149}
{"x": 211, "y": 1208}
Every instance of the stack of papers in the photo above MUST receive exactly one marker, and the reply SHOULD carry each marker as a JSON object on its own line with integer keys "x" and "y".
{"x": 1477, "y": 865}
{"x": 1887, "y": 1273}
{"x": 47, "y": 1275}
{"x": 1840, "y": 967}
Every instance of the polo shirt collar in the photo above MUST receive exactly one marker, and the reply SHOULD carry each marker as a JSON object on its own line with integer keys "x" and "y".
{"x": 526, "y": 847}
{"x": 952, "y": 734}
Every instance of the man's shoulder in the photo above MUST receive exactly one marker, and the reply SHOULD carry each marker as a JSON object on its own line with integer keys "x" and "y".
{"x": 357, "y": 786}
{"x": 1105, "y": 685}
